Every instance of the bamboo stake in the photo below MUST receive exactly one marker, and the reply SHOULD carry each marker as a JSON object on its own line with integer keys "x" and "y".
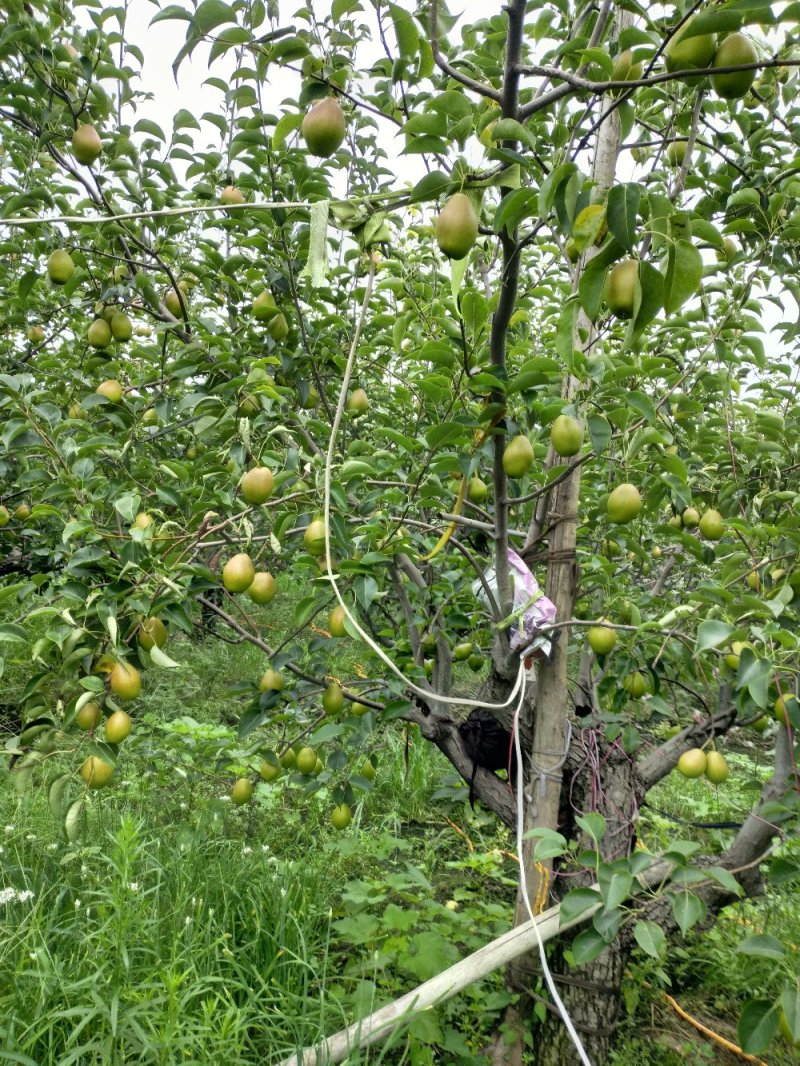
{"x": 517, "y": 941}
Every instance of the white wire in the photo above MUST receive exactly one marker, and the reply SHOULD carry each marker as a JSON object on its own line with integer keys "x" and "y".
{"x": 523, "y": 886}
{"x": 518, "y": 691}
{"x": 337, "y": 418}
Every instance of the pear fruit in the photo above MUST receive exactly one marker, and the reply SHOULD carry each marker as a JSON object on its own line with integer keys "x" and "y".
{"x": 676, "y": 151}
{"x": 341, "y": 816}
{"x": 693, "y": 763}
{"x": 257, "y": 485}
{"x": 96, "y": 772}
{"x": 5, "y": 516}
{"x": 121, "y": 327}
{"x": 242, "y": 791}
{"x": 89, "y": 717}
{"x": 712, "y": 524}
{"x": 690, "y": 518}
{"x": 118, "y": 727}
{"x": 152, "y": 633}
{"x": 231, "y": 195}
{"x": 271, "y": 681}
{"x": 99, "y": 333}
{"x": 357, "y": 403}
{"x": 238, "y": 573}
{"x": 86, "y": 145}
{"x": 690, "y": 53}
{"x": 278, "y": 328}
{"x": 457, "y": 226}
{"x": 314, "y": 537}
{"x": 268, "y": 771}
{"x": 336, "y": 622}
{"x": 625, "y": 70}
{"x": 264, "y": 306}
{"x": 619, "y": 291}
{"x": 125, "y": 681}
{"x": 23, "y": 512}
{"x": 60, "y": 266}
{"x": 477, "y": 490}
{"x": 324, "y": 127}
{"x": 636, "y": 685}
{"x": 332, "y": 698}
{"x": 735, "y": 50}
{"x": 601, "y": 639}
{"x": 624, "y": 503}
{"x": 518, "y": 456}
{"x": 112, "y": 390}
{"x": 172, "y": 301}
{"x": 306, "y": 761}
{"x": 35, "y": 334}
{"x": 716, "y": 768}
{"x": 262, "y": 588}
{"x": 566, "y": 435}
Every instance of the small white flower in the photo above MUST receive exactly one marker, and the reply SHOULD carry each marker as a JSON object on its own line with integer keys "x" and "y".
{"x": 184, "y": 806}
{"x": 24, "y": 895}
{"x": 52, "y": 847}
{"x": 84, "y": 869}
{"x": 6, "y": 895}
{"x": 265, "y": 848}
{"x": 134, "y": 886}
{"x": 211, "y": 912}
{"x": 2, "y": 851}
{"x": 30, "y": 836}
{"x": 187, "y": 920}
{"x": 224, "y": 799}
{"x": 32, "y": 955}
{"x": 88, "y": 912}
{"x": 247, "y": 851}
{"x": 77, "y": 904}
{"x": 9, "y": 828}
{"x": 283, "y": 893}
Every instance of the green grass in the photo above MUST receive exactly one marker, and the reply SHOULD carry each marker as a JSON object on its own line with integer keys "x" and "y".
{"x": 180, "y": 929}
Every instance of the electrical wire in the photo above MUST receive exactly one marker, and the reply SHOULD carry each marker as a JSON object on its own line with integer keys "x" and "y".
{"x": 517, "y": 692}
{"x": 523, "y": 887}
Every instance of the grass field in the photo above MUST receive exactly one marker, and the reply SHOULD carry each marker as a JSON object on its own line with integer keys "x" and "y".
{"x": 178, "y": 928}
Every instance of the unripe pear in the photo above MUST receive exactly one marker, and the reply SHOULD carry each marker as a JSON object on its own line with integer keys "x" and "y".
{"x": 125, "y": 681}
{"x": 324, "y": 127}
{"x": 96, "y": 772}
{"x": 231, "y": 195}
{"x": 306, "y": 761}
{"x": 271, "y": 681}
{"x": 242, "y": 791}
{"x": 262, "y": 589}
{"x": 625, "y": 69}
{"x": 716, "y": 768}
{"x": 478, "y": 490}
{"x": 336, "y": 622}
{"x": 332, "y": 698}
{"x": 457, "y": 226}
{"x": 357, "y": 403}
{"x": 735, "y": 50}
{"x": 619, "y": 291}
{"x": 566, "y": 435}
{"x": 35, "y": 334}
{"x": 99, "y": 333}
{"x": 257, "y": 485}
{"x": 152, "y": 632}
{"x": 278, "y": 328}
{"x": 89, "y": 717}
{"x": 518, "y": 456}
{"x": 314, "y": 537}
{"x": 121, "y": 327}
{"x": 264, "y": 306}
{"x": 690, "y": 53}
{"x": 676, "y": 151}
{"x": 341, "y": 816}
{"x": 692, "y": 763}
{"x": 86, "y": 144}
{"x": 118, "y": 727}
{"x": 112, "y": 390}
{"x": 60, "y": 266}
{"x": 238, "y": 573}
{"x": 601, "y": 639}
{"x": 624, "y": 503}
{"x": 712, "y": 524}
{"x": 690, "y": 518}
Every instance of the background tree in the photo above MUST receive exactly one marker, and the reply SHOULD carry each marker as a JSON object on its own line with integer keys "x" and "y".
{"x": 180, "y": 313}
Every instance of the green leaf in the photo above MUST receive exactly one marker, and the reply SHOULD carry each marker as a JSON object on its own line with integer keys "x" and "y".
{"x": 688, "y": 910}
{"x": 12, "y": 632}
{"x": 622, "y": 212}
{"x": 649, "y": 297}
{"x": 56, "y": 795}
{"x": 711, "y": 634}
{"x": 754, "y": 675}
{"x": 650, "y": 938}
{"x": 160, "y": 658}
{"x": 286, "y": 124}
{"x": 683, "y": 275}
{"x": 763, "y": 946}
{"x": 210, "y": 14}
{"x": 405, "y": 30}
{"x": 474, "y": 310}
{"x": 758, "y": 1024}
{"x": 599, "y": 432}
{"x": 593, "y": 824}
{"x": 576, "y": 903}
{"x": 586, "y": 946}
{"x": 508, "y": 129}
{"x": 431, "y": 187}
{"x": 72, "y": 820}
{"x": 614, "y": 887}
{"x": 172, "y": 11}
{"x": 790, "y": 1004}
